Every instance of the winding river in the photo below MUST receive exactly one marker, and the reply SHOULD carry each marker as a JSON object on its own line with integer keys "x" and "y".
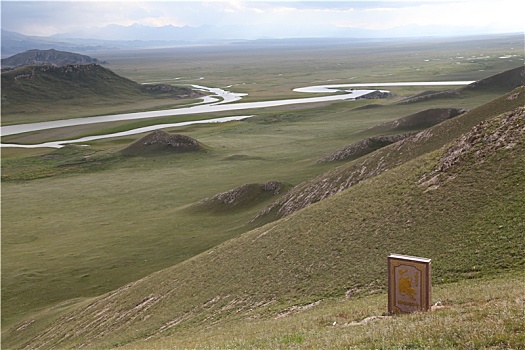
{"x": 219, "y": 101}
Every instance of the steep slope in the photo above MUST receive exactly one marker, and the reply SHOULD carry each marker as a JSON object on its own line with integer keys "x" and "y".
{"x": 470, "y": 225}
{"x": 508, "y": 80}
{"x": 339, "y": 179}
{"x": 50, "y": 57}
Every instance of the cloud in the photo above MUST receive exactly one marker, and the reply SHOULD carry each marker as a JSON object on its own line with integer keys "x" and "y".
{"x": 452, "y": 14}
{"x": 270, "y": 17}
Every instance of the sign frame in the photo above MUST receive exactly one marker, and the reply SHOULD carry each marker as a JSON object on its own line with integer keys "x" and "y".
{"x": 409, "y": 284}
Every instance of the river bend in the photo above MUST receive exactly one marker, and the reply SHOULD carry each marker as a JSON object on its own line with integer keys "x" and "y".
{"x": 219, "y": 101}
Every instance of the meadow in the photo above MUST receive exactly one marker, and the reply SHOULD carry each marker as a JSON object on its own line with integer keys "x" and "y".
{"x": 73, "y": 229}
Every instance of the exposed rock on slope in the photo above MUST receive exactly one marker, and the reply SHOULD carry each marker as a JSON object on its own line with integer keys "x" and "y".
{"x": 482, "y": 141}
{"x": 363, "y": 147}
{"x": 245, "y": 195}
{"x": 161, "y": 142}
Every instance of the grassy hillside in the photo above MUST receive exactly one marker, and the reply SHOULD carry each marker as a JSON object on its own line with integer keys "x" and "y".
{"x": 506, "y": 80}
{"x": 470, "y": 224}
{"x": 32, "y": 93}
{"x": 476, "y": 313}
{"x": 418, "y": 121}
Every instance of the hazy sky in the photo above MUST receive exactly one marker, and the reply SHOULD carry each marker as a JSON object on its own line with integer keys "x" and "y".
{"x": 432, "y": 17}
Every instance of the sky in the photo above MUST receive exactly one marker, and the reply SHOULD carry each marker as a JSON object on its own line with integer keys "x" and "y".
{"x": 292, "y": 18}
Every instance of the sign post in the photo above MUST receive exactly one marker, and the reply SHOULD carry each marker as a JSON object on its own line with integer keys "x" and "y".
{"x": 409, "y": 284}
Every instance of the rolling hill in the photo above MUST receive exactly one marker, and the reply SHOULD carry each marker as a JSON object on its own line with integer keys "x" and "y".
{"x": 50, "y": 57}
{"x": 30, "y": 90}
{"x": 48, "y": 84}
{"x": 447, "y": 193}
{"x": 160, "y": 142}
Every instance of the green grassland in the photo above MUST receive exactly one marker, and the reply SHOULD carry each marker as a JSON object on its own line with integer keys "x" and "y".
{"x": 471, "y": 227}
{"x": 279, "y": 68}
{"x": 80, "y": 222}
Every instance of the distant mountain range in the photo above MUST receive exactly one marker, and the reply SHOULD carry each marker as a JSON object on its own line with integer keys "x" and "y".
{"x": 13, "y": 43}
{"x": 167, "y": 33}
{"x": 113, "y": 37}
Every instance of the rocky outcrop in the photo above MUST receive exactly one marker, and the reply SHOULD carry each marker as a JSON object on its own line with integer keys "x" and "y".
{"x": 363, "y": 147}
{"x": 161, "y": 142}
{"x": 236, "y": 195}
{"x": 243, "y": 196}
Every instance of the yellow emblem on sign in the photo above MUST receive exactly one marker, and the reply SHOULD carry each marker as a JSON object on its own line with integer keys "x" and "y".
{"x": 409, "y": 284}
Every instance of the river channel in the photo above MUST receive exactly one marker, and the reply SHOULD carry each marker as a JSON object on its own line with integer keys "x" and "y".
{"x": 220, "y": 101}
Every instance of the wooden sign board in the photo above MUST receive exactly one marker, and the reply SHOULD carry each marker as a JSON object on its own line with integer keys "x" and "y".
{"x": 409, "y": 284}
